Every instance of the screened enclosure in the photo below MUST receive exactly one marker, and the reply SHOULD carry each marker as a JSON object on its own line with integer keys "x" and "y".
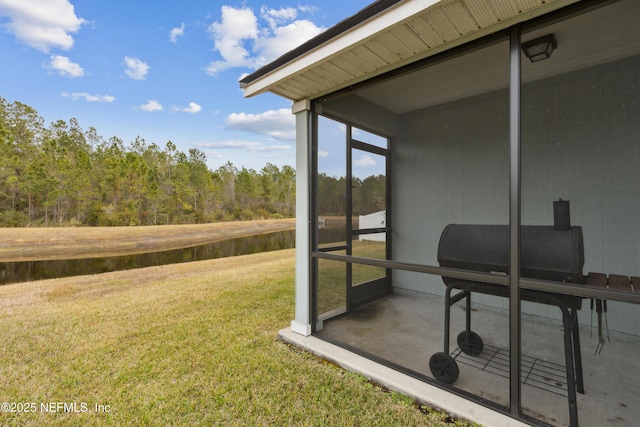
{"x": 541, "y": 302}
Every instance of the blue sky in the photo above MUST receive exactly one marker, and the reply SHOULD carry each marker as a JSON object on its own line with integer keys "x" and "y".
{"x": 162, "y": 70}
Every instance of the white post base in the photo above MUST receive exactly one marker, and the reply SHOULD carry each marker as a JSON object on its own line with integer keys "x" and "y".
{"x": 300, "y": 328}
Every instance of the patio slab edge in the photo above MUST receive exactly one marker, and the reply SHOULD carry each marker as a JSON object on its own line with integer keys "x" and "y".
{"x": 391, "y": 379}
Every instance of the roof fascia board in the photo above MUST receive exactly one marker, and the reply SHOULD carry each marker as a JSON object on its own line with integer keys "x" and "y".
{"x": 345, "y": 40}
{"x": 397, "y": 14}
{"x": 345, "y": 25}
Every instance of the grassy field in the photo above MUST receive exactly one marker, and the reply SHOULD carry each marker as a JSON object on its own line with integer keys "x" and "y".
{"x": 185, "y": 344}
{"x": 39, "y": 244}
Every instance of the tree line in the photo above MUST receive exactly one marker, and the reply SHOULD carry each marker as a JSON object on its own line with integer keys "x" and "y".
{"x": 368, "y": 195}
{"x": 62, "y": 175}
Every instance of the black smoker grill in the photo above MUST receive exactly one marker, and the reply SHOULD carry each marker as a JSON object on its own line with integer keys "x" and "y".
{"x": 546, "y": 253}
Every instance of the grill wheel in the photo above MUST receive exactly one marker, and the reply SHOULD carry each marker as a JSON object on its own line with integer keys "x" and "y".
{"x": 444, "y": 367}
{"x": 470, "y": 343}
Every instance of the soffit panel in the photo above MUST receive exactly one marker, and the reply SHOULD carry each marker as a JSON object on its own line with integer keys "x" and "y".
{"x": 459, "y": 15}
{"x": 382, "y": 50}
{"x": 425, "y": 33}
{"x": 484, "y": 14}
{"x": 367, "y": 56}
{"x": 307, "y": 81}
{"x": 345, "y": 63}
{"x": 401, "y": 42}
{"x": 452, "y": 21}
{"x": 293, "y": 89}
{"x": 408, "y": 39}
{"x": 357, "y": 62}
{"x": 334, "y": 72}
{"x": 433, "y": 29}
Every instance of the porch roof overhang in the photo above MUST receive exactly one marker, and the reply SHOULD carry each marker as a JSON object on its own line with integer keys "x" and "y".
{"x": 387, "y": 35}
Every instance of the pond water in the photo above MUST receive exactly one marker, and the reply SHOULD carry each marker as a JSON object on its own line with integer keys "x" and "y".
{"x": 13, "y": 272}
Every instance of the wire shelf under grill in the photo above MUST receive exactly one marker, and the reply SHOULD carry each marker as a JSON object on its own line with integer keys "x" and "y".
{"x": 539, "y": 373}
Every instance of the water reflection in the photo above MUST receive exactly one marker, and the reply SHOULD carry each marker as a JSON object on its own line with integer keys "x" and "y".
{"x": 13, "y": 272}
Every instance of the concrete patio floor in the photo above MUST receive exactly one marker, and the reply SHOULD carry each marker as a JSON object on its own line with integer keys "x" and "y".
{"x": 407, "y": 330}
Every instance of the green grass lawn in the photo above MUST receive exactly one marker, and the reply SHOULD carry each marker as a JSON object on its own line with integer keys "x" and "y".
{"x": 185, "y": 344}
{"x": 332, "y": 275}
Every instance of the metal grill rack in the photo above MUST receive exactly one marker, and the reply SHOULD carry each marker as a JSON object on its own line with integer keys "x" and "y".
{"x": 539, "y": 373}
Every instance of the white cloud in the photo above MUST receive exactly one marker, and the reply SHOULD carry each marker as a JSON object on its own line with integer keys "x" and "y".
{"x": 275, "y": 17}
{"x": 278, "y": 124}
{"x": 212, "y": 154}
{"x": 151, "y": 106}
{"x": 251, "y": 146}
{"x": 235, "y": 148}
{"x": 242, "y": 40}
{"x": 88, "y": 97}
{"x": 136, "y": 69}
{"x": 232, "y": 144}
{"x": 274, "y": 148}
{"x": 65, "y": 67}
{"x": 42, "y": 25}
{"x": 282, "y": 40}
{"x": 175, "y": 33}
{"x": 308, "y": 8}
{"x": 322, "y": 153}
{"x": 365, "y": 161}
{"x": 236, "y": 26}
{"x": 193, "y": 108}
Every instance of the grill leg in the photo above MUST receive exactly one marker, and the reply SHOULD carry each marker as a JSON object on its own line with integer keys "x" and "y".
{"x": 448, "y": 302}
{"x": 468, "y": 302}
{"x": 567, "y": 320}
{"x": 575, "y": 333}
{"x": 447, "y": 318}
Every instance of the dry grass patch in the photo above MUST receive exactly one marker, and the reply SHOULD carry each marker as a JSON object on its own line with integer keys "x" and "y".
{"x": 31, "y": 244}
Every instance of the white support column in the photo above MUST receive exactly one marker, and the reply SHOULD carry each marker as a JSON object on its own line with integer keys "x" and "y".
{"x": 302, "y": 322}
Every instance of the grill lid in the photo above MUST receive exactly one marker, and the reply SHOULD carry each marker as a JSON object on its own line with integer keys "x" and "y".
{"x": 545, "y": 253}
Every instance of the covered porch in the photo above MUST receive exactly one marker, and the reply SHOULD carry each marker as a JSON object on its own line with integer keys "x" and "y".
{"x": 399, "y": 329}
{"x": 422, "y": 116}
